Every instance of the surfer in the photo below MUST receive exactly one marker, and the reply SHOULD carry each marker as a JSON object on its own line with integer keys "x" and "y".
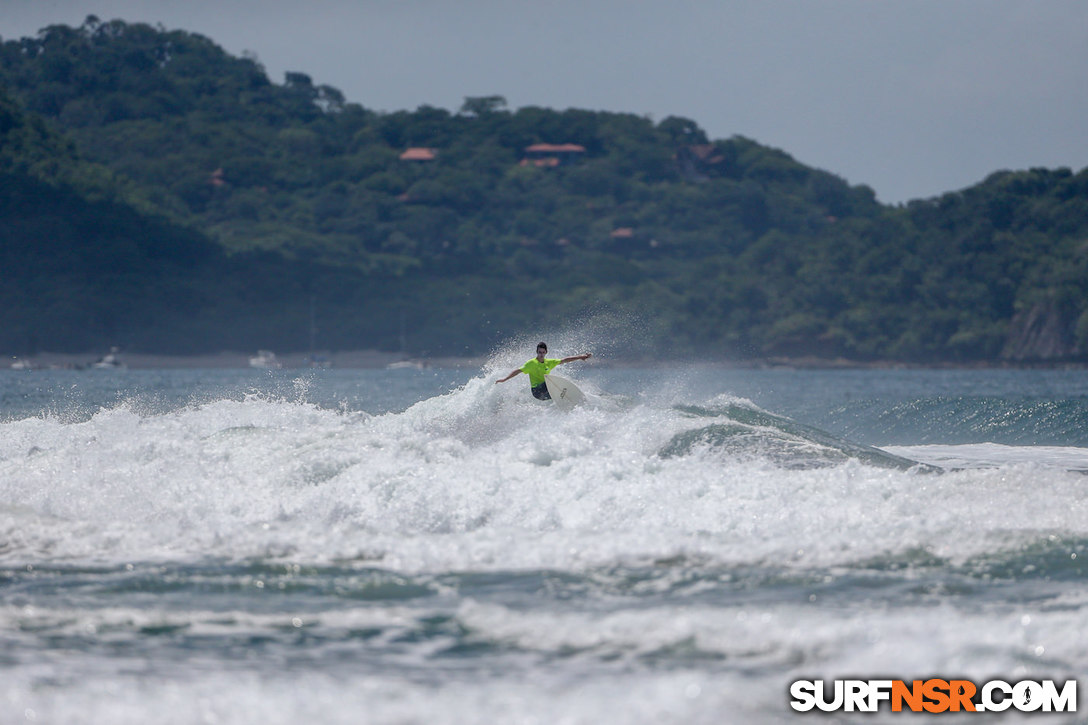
{"x": 540, "y": 366}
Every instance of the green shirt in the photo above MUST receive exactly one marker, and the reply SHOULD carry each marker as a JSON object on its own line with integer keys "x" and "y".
{"x": 537, "y": 370}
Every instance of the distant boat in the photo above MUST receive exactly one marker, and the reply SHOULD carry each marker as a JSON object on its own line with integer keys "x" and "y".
{"x": 266, "y": 360}
{"x": 23, "y": 365}
{"x": 109, "y": 362}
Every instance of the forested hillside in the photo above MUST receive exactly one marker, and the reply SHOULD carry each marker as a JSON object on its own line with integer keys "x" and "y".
{"x": 253, "y": 207}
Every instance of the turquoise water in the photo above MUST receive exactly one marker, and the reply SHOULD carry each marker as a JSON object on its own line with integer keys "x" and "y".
{"x": 345, "y": 546}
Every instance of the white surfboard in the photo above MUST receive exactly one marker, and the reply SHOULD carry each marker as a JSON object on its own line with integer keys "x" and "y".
{"x": 565, "y": 393}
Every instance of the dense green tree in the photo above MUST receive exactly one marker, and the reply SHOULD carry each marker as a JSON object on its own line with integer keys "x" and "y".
{"x": 137, "y": 158}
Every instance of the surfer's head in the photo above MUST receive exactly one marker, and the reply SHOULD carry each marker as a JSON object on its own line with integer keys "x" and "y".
{"x": 541, "y": 349}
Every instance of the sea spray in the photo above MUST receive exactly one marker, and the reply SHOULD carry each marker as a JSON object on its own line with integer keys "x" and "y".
{"x": 490, "y": 478}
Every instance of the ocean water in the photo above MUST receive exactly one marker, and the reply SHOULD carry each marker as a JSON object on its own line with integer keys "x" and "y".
{"x": 424, "y": 546}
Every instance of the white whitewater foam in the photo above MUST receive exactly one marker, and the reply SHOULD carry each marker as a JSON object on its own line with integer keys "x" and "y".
{"x": 481, "y": 479}
{"x": 486, "y": 479}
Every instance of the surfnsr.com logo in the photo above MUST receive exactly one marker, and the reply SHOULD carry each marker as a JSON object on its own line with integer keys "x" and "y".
{"x": 933, "y": 696}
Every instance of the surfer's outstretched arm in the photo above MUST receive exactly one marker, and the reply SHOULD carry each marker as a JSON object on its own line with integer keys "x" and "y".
{"x": 572, "y": 358}
{"x": 503, "y": 380}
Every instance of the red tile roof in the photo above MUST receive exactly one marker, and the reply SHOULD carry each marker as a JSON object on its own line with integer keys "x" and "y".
{"x": 548, "y": 148}
{"x": 418, "y": 154}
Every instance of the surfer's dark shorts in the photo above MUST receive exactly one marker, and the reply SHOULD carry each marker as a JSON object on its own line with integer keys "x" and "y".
{"x": 540, "y": 392}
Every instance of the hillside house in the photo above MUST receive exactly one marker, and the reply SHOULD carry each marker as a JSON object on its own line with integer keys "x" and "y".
{"x": 419, "y": 155}
{"x": 550, "y": 155}
{"x": 697, "y": 161}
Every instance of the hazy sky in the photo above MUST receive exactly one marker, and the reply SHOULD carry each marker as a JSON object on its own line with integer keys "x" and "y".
{"x": 912, "y": 97}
